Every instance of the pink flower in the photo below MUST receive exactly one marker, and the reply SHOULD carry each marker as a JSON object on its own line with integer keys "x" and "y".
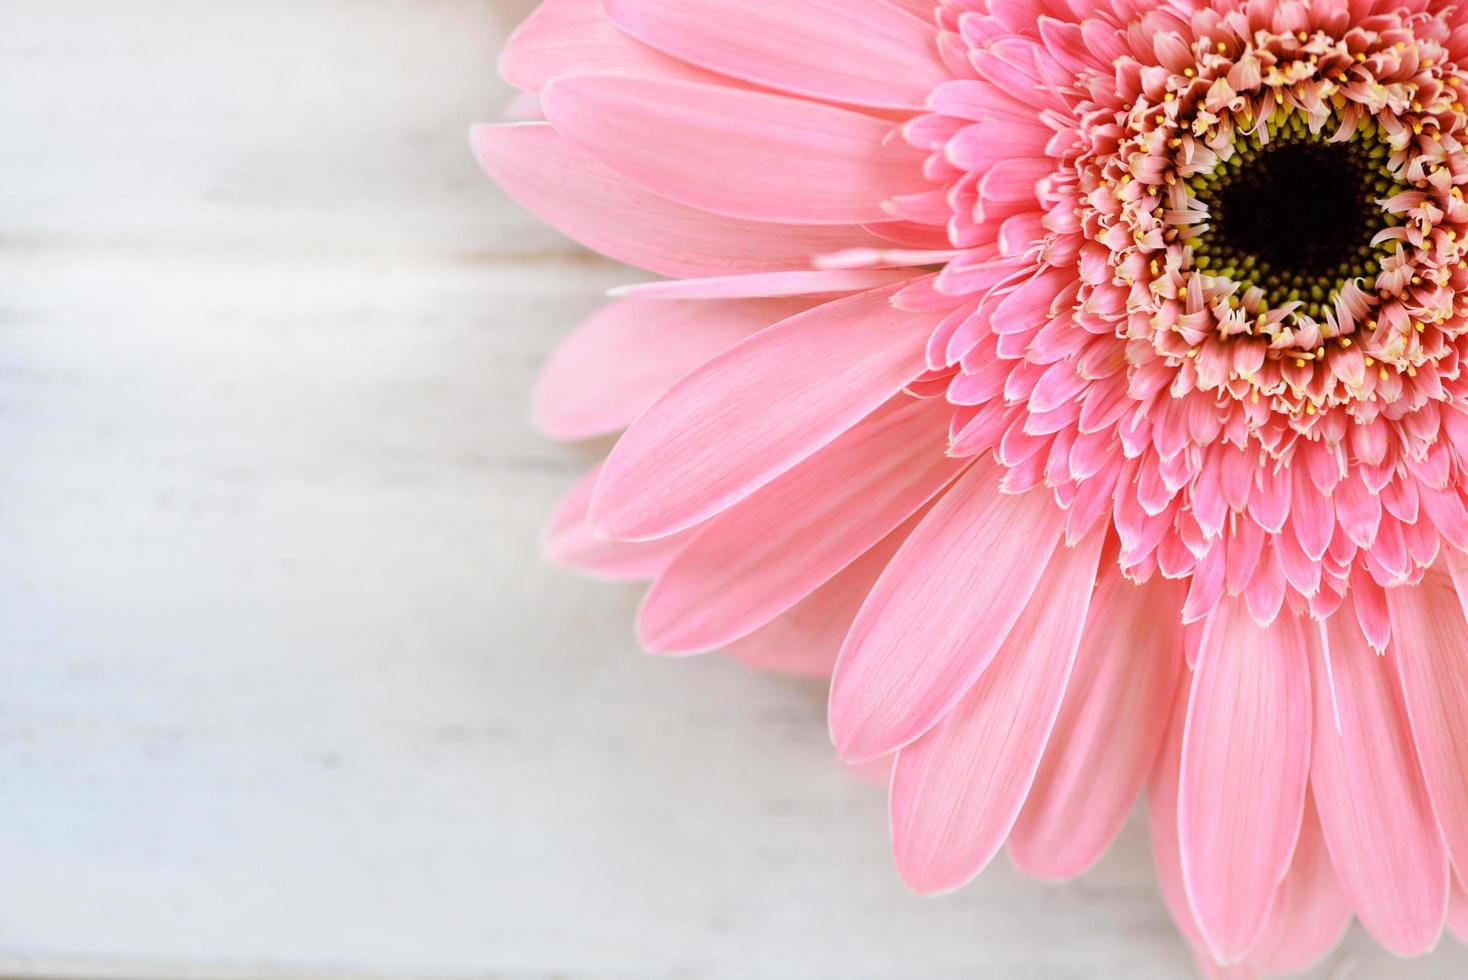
{"x": 1084, "y": 373}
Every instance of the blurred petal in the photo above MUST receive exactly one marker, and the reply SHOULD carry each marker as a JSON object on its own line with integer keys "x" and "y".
{"x": 630, "y": 352}
{"x": 862, "y": 52}
{"x": 570, "y": 542}
{"x": 583, "y": 199}
{"x": 742, "y": 154}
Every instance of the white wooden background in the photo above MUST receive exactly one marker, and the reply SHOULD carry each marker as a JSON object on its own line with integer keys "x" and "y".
{"x": 285, "y": 689}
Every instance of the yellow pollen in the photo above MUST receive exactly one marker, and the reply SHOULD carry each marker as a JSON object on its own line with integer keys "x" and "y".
{"x": 1222, "y": 47}
{"x": 1383, "y": 375}
{"x": 1345, "y": 341}
{"x": 1370, "y": 360}
{"x": 1309, "y": 409}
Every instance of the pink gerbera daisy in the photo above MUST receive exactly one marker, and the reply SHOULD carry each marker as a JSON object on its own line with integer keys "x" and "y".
{"x": 1077, "y": 382}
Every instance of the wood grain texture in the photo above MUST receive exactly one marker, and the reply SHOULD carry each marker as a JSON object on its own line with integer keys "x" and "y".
{"x": 285, "y": 689}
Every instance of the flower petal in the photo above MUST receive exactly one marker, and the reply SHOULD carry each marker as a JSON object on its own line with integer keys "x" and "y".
{"x": 1246, "y": 755}
{"x": 756, "y": 411}
{"x": 957, "y": 790}
{"x": 802, "y": 282}
{"x": 1430, "y": 647}
{"x": 806, "y": 639}
{"x": 569, "y": 542}
{"x": 1373, "y": 804}
{"x": 768, "y": 552}
{"x": 583, "y": 199}
{"x": 564, "y": 36}
{"x": 1309, "y": 914}
{"x": 742, "y": 154}
{"x": 862, "y": 52}
{"x": 940, "y": 613}
{"x": 630, "y": 352}
{"x": 1110, "y": 727}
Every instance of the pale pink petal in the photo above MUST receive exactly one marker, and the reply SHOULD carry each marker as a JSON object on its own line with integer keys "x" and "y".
{"x": 569, "y": 541}
{"x": 940, "y": 612}
{"x": 1110, "y": 726}
{"x": 1161, "y": 822}
{"x": 756, "y": 411}
{"x": 918, "y": 8}
{"x": 1162, "y": 789}
{"x": 766, "y": 553}
{"x": 564, "y": 36}
{"x": 1430, "y": 647}
{"x": 877, "y": 772}
{"x": 806, "y": 639}
{"x": 568, "y": 189}
{"x": 958, "y": 789}
{"x": 769, "y": 284}
{"x": 1309, "y": 914}
{"x": 1246, "y": 756}
{"x": 1373, "y": 803}
{"x": 863, "y": 52}
{"x": 630, "y": 352}
{"x": 742, "y": 154}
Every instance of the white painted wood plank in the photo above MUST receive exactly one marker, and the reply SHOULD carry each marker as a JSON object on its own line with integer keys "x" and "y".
{"x": 284, "y": 686}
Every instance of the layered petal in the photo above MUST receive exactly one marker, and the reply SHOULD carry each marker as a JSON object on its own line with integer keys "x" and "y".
{"x": 568, "y": 189}
{"x": 1110, "y": 727}
{"x": 1309, "y": 914}
{"x": 1246, "y": 754}
{"x": 569, "y": 541}
{"x": 806, "y": 639}
{"x": 564, "y": 36}
{"x": 742, "y": 154}
{"x": 630, "y": 352}
{"x": 756, "y": 411}
{"x": 863, "y": 52}
{"x": 768, "y": 552}
{"x": 957, "y": 790}
{"x": 1373, "y": 803}
{"x": 939, "y": 613}
{"x": 1430, "y": 647}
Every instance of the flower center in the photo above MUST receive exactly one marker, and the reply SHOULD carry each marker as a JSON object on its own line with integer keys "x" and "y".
{"x": 1295, "y": 217}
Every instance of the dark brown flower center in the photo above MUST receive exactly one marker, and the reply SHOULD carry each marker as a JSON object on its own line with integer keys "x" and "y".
{"x": 1297, "y": 215}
